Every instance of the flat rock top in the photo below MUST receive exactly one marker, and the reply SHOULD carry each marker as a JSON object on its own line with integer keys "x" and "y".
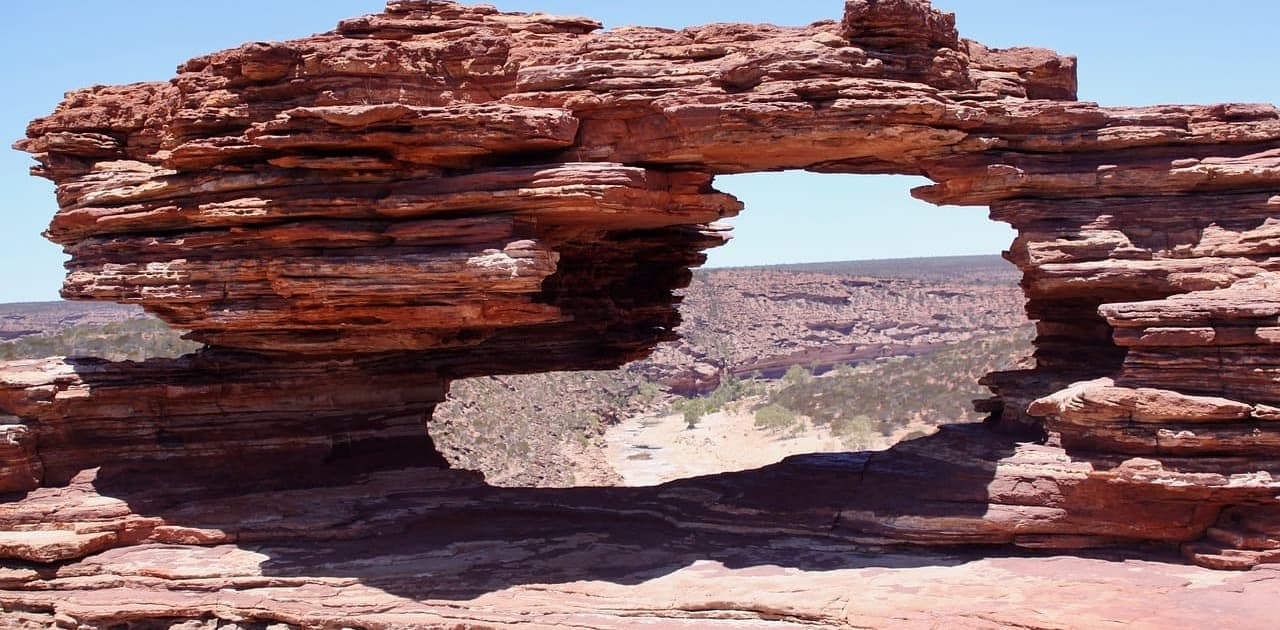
{"x": 598, "y": 580}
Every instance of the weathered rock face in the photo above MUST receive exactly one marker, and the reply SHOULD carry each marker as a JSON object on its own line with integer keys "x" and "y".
{"x": 428, "y": 548}
{"x": 228, "y": 407}
{"x": 352, "y": 219}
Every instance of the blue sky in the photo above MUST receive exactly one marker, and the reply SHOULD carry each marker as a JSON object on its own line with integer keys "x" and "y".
{"x": 1132, "y": 52}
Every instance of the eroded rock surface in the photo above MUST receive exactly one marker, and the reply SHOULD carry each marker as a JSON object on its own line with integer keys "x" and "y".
{"x": 353, "y": 219}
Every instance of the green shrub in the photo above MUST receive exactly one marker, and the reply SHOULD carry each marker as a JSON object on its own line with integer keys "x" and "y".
{"x": 774, "y": 417}
{"x": 693, "y": 409}
{"x": 692, "y": 416}
{"x": 797, "y": 375}
{"x": 855, "y": 433}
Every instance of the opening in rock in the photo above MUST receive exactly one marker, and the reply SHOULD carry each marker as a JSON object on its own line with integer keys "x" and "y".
{"x": 798, "y": 217}
{"x": 774, "y": 359}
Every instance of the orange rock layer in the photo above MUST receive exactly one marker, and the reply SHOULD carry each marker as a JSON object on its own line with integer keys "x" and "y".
{"x": 352, "y": 219}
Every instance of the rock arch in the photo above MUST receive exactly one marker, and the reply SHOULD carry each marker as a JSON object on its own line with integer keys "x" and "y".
{"x": 439, "y": 191}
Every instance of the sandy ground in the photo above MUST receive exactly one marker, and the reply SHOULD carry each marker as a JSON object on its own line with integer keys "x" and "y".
{"x": 649, "y": 450}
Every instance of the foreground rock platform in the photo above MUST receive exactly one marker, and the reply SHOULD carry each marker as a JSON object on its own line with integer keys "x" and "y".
{"x": 350, "y": 221}
{"x": 379, "y": 547}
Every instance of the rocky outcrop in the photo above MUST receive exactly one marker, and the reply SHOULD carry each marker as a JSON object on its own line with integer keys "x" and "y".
{"x": 209, "y": 410}
{"x": 423, "y": 547}
{"x": 352, "y": 219}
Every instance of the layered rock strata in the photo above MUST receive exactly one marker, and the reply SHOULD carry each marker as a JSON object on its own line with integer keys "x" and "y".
{"x": 215, "y": 411}
{"x": 422, "y": 547}
{"x": 350, "y": 220}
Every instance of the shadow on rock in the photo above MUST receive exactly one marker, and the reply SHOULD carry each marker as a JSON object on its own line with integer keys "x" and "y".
{"x": 430, "y": 532}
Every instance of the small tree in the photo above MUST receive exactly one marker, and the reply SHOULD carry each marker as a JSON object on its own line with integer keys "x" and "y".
{"x": 797, "y": 375}
{"x": 692, "y": 417}
{"x": 774, "y": 417}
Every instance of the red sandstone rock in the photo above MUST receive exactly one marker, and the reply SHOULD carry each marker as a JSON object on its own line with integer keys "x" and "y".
{"x": 1100, "y": 400}
{"x": 355, "y": 218}
{"x": 415, "y": 545}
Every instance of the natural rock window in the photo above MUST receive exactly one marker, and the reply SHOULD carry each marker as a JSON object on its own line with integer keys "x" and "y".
{"x": 352, "y": 220}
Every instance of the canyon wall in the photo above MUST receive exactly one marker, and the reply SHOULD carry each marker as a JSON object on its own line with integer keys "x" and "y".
{"x": 353, "y": 219}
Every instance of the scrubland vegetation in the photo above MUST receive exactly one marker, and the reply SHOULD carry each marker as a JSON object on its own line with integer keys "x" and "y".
{"x": 520, "y": 429}
{"x": 132, "y": 339}
{"x": 864, "y": 405}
